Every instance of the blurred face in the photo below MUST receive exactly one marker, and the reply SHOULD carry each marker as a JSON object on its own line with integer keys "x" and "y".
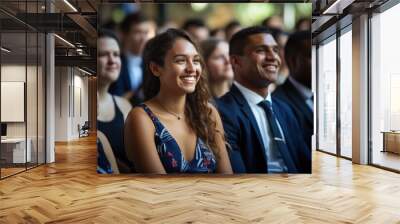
{"x": 198, "y": 33}
{"x": 259, "y": 65}
{"x": 304, "y": 25}
{"x": 301, "y": 64}
{"x": 218, "y": 64}
{"x": 306, "y": 58}
{"x": 275, "y": 22}
{"x": 182, "y": 68}
{"x": 220, "y": 34}
{"x": 108, "y": 59}
{"x": 137, "y": 37}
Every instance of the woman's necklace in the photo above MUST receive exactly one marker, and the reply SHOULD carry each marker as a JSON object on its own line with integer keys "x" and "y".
{"x": 172, "y": 113}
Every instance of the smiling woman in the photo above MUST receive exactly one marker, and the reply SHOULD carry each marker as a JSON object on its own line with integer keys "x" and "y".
{"x": 112, "y": 110}
{"x": 176, "y": 130}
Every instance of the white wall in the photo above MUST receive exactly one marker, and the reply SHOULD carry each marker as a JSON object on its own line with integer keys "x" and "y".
{"x": 71, "y": 94}
{"x": 61, "y": 104}
{"x": 80, "y": 110}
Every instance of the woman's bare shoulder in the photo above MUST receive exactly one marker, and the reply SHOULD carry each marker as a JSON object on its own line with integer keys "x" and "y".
{"x": 137, "y": 117}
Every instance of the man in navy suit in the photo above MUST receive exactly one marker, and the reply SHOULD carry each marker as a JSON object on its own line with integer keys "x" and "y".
{"x": 296, "y": 90}
{"x": 262, "y": 132}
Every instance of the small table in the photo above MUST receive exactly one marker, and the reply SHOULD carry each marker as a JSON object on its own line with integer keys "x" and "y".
{"x": 391, "y": 141}
{"x": 13, "y": 150}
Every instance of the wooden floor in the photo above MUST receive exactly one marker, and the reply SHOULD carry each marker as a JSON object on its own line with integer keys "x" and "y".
{"x": 70, "y": 191}
{"x": 10, "y": 171}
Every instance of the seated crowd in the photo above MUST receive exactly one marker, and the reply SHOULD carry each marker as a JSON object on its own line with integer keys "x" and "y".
{"x": 183, "y": 101}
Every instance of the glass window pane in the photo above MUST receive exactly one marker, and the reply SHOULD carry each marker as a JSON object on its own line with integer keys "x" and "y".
{"x": 385, "y": 84}
{"x": 23, "y": 84}
{"x": 41, "y": 99}
{"x": 314, "y": 89}
{"x": 13, "y": 87}
{"x": 346, "y": 94}
{"x": 31, "y": 97}
{"x": 327, "y": 97}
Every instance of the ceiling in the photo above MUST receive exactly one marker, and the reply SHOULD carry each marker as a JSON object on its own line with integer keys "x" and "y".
{"x": 79, "y": 27}
{"x": 21, "y": 20}
{"x": 330, "y": 15}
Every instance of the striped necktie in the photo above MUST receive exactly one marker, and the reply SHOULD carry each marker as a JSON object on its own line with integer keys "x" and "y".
{"x": 277, "y": 138}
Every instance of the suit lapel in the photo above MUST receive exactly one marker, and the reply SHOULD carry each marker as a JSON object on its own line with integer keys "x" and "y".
{"x": 245, "y": 108}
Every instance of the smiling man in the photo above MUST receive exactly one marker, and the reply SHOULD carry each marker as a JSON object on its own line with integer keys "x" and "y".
{"x": 262, "y": 132}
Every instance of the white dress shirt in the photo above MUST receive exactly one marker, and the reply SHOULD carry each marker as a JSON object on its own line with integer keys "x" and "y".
{"x": 135, "y": 71}
{"x": 253, "y": 99}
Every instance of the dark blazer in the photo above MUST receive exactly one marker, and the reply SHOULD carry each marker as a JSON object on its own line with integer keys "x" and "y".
{"x": 123, "y": 84}
{"x": 288, "y": 93}
{"x": 246, "y": 149}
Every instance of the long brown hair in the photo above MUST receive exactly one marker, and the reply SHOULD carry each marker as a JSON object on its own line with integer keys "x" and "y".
{"x": 197, "y": 111}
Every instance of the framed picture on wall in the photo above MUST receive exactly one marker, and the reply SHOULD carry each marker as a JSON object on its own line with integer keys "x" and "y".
{"x": 12, "y": 101}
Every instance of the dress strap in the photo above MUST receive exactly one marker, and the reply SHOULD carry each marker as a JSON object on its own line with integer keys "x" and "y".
{"x": 156, "y": 122}
{"x": 118, "y": 112}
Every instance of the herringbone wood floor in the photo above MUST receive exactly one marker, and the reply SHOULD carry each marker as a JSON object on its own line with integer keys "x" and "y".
{"x": 70, "y": 191}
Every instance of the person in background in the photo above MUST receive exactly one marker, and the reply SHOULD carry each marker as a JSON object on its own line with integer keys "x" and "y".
{"x": 197, "y": 29}
{"x": 273, "y": 22}
{"x": 296, "y": 90}
{"x": 218, "y": 33}
{"x": 219, "y": 70}
{"x": 231, "y": 28}
{"x": 111, "y": 26}
{"x": 303, "y": 24}
{"x": 176, "y": 130}
{"x": 111, "y": 110}
{"x": 261, "y": 130}
{"x": 135, "y": 30}
{"x": 167, "y": 25}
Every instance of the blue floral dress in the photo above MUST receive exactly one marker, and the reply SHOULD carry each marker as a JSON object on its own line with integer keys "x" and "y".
{"x": 171, "y": 156}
